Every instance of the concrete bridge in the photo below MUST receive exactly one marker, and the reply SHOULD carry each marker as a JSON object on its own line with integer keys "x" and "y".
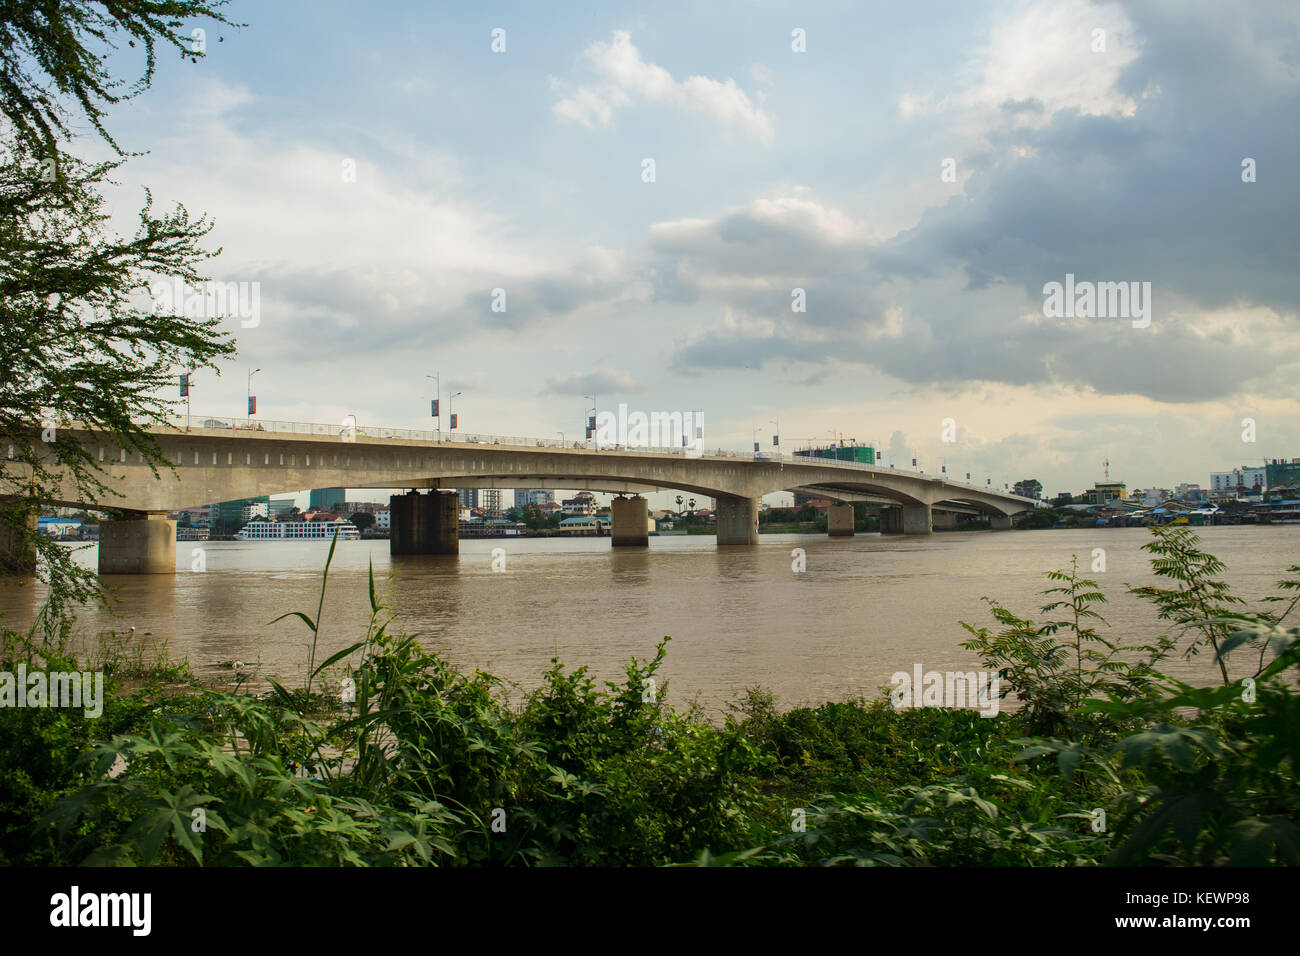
{"x": 225, "y": 459}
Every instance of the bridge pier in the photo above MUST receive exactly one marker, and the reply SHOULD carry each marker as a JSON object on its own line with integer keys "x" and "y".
{"x": 138, "y": 543}
{"x": 424, "y": 524}
{"x": 17, "y": 556}
{"x": 944, "y": 520}
{"x": 918, "y": 519}
{"x": 907, "y": 519}
{"x": 737, "y": 520}
{"x": 999, "y": 522}
{"x": 891, "y": 520}
{"x": 629, "y": 522}
{"x": 839, "y": 520}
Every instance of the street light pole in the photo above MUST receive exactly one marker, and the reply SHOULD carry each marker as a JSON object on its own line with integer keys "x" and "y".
{"x": 450, "y": 415}
{"x": 437, "y": 387}
{"x": 594, "y": 411}
{"x": 250, "y": 396}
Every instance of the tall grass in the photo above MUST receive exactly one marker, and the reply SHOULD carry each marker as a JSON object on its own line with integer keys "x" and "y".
{"x": 429, "y": 765}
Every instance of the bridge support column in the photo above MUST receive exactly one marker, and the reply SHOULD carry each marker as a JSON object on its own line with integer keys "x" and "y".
{"x": 891, "y": 520}
{"x": 17, "y": 556}
{"x": 629, "y": 522}
{"x": 839, "y": 520}
{"x": 138, "y": 544}
{"x": 944, "y": 520}
{"x": 1000, "y": 522}
{"x": 737, "y": 520}
{"x": 424, "y": 524}
{"x": 917, "y": 519}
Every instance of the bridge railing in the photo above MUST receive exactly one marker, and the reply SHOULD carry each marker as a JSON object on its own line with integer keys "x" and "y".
{"x": 469, "y": 438}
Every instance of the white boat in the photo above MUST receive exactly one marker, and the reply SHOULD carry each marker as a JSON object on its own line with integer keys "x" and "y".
{"x": 298, "y": 531}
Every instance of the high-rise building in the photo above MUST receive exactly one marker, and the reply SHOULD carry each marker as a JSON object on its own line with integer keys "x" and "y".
{"x": 533, "y": 496}
{"x": 468, "y": 497}
{"x": 1280, "y": 473}
{"x": 227, "y": 517}
{"x": 491, "y": 498}
{"x": 326, "y": 499}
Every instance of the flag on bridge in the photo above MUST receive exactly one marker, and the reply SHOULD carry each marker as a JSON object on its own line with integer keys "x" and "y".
{"x": 454, "y": 416}
{"x": 591, "y": 425}
{"x": 776, "y": 441}
{"x": 433, "y": 407}
{"x": 185, "y": 385}
{"x": 252, "y": 404}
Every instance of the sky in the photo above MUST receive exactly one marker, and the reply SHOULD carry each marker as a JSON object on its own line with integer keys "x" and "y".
{"x": 919, "y": 171}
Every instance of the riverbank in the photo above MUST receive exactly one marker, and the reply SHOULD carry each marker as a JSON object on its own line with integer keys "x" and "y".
{"x": 388, "y": 755}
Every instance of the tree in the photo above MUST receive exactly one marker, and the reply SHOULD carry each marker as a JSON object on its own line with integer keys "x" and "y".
{"x": 79, "y": 339}
{"x": 363, "y": 520}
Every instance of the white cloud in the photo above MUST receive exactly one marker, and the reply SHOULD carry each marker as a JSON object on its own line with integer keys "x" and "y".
{"x": 625, "y": 76}
{"x": 1043, "y": 53}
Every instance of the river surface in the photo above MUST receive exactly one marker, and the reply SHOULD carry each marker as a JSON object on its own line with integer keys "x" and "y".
{"x": 864, "y": 608}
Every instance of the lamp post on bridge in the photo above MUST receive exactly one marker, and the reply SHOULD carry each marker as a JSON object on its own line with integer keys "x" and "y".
{"x": 589, "y": 426}
{"x": 437, "y": 400}
{"x": 252, "y": 402}
{"x": 450, "y": 414}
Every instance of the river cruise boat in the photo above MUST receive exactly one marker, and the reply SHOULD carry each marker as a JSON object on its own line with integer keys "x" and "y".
{"x": 298, "y": 531}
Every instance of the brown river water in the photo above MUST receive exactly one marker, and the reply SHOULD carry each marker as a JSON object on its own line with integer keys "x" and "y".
{"x": 864, "y": 608}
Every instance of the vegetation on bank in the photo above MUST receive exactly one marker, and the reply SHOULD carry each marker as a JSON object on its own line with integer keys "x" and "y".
{"x": 389, "y": 756}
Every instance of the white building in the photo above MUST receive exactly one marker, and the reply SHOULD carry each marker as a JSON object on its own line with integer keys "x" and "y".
{"x": 1227, "y": 482}
{"x": 582, "y": 504}
{"x": 383, "y": 519}
{"x": 257, "y": 509}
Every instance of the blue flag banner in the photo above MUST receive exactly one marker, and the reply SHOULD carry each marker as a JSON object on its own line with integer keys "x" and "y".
{"x": 252, "y": 404}
{"x": 453, "y": 420}
{"x": 433, "y": 407}
{"x": 185, "y": 385}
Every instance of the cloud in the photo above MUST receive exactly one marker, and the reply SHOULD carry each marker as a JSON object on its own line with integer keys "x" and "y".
{"x": 1044, "y": 53}
{"x": 605, "y": 381}
{"x": 625, "y": 78}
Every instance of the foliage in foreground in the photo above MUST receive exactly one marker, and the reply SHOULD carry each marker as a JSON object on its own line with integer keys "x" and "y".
{"x": 1105, "y": 761}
